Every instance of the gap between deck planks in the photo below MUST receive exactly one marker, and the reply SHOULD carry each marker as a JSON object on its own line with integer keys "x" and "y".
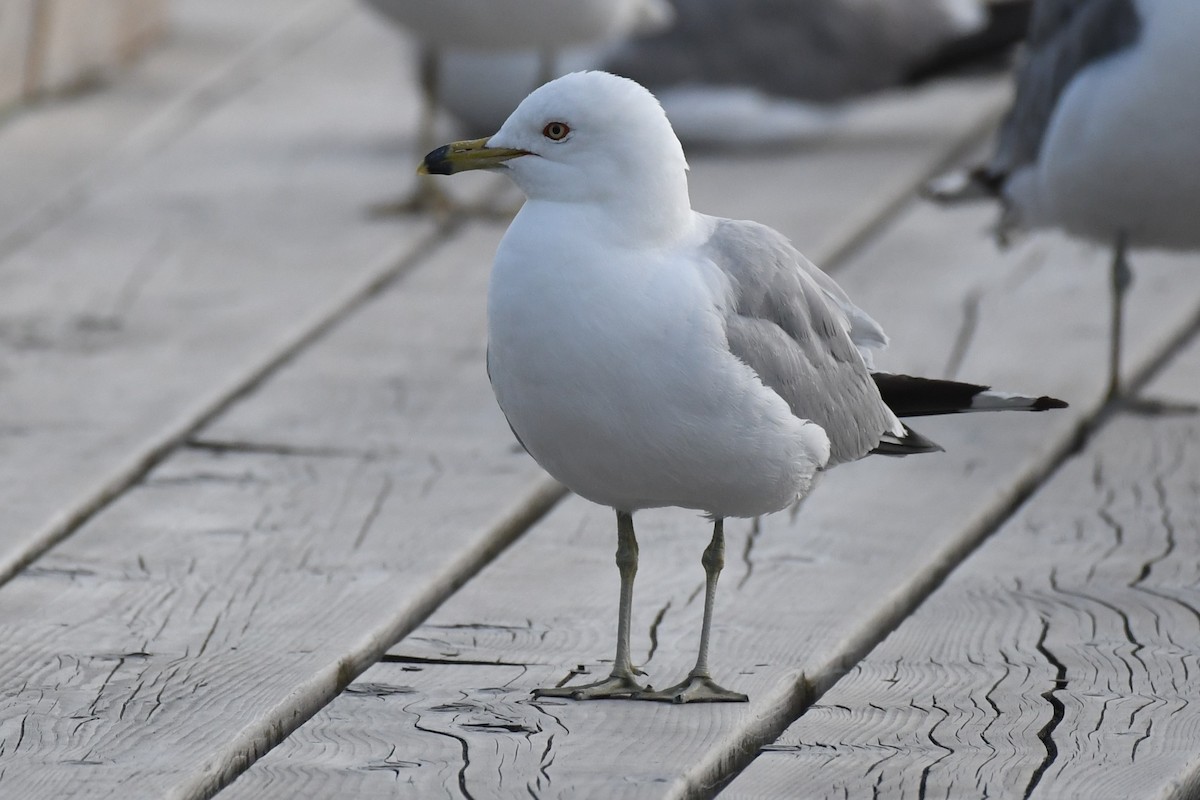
{"x": 1058, "y": 661}
{"x": 150, "y": 630}
{"x": 163, "y": 293}
{"x": 447, "y": 714}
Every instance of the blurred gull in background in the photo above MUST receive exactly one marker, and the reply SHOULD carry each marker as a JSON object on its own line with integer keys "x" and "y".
{"x": 481, "y": 29}
{"x": 766, "y": 71}
{"x": 1103, "y": 137}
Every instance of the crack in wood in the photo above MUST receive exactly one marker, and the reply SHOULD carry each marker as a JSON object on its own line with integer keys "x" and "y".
{"x": 21, "y": 733}
{"x": 988, "y": 696}
{"x": 370, "y": 689}
{"x": 389, "y": 658}
{"x": 387, "y": 764}
{"x": 966, "y": 333}
{"x": 923, "y": 785}
{"x": 1140, "y": 739}
{"x": 1126, "y": 627}
{"x": 281, "y": 449}
{"x": 465, "y": 747}
{"x": 748, "y": 549}
{"x": 70, "y": 573}
{"x": 1058, "y": 710}
{"x": 381, "y": 497}
{"x": 658, "y": 618}
{"x": 104, "y": 684}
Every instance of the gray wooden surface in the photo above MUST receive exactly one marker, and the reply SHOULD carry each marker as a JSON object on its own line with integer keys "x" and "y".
{"x": 267, "y": 534}
{"x": 1058, "y": 661}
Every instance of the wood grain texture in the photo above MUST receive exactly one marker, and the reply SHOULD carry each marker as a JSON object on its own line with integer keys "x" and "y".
{"x": 800, "y": 601}
{"x": 128, "y": 321}
{"x": 209, "y": 611}
{"x": 1056, "y": 662}
{"x": 16, "y": 32}
{"x": 214, "y": 607}
{"x": 56, "y": 155}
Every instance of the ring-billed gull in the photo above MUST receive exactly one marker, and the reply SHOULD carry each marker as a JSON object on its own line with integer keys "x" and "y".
{"x": 1103, "y": 137}
{"x": 647, "y": 355}
{"x": 546, "y": 26}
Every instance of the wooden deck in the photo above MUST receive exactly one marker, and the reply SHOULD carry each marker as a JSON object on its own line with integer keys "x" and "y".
{"x": 267, "y": 535}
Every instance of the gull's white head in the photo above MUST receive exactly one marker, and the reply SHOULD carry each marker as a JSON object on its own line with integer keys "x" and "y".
{"x": 587, "y": 137}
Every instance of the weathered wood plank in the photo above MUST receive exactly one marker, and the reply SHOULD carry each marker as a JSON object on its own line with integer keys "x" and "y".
{"x": 206, "y": 612}
{"x": 1056, "y": 662}
{"x": 54, "y": 154}
{"x": 216, "y": 606}
{"x": 130, "y": 320}
{"x": 16, "y": 28}
{"x": 804, "y": 599}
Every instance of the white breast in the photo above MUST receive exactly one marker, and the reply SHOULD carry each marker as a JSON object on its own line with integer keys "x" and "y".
{"x": 612, "y": 369}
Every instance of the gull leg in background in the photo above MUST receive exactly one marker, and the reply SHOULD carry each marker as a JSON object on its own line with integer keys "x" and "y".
{"x": 427, "y": 196}
{"x": 1122, "y": 277}
{"x": 622, "y": 682}
{"x": 699, "y": 687}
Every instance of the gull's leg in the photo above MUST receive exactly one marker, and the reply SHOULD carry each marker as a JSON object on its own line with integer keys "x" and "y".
{"x": 1122, "y": 277}
{"x": 699, "y": 687}
{"x": 427, "y": 196}
{"x": 622, "y": 681}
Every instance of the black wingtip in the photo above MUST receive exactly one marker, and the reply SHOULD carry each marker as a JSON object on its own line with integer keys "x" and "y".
{"x": 910, "y": 443}
{"x": 1045, "y": 403}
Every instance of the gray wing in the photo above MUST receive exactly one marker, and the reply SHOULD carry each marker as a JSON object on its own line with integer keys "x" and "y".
{"x": 797, "y": 337}
{"x": 820, "y": 50}
{"x": 1065, "y": 36}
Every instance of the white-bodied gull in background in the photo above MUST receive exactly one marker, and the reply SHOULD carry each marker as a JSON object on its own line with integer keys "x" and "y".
{"x": 647, "y": 355}
{"x": 482, "y": 26}
{"x": 1103, "y": 137}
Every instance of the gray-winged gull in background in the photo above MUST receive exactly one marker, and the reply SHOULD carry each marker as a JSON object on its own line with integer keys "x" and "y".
{"x": 763, "y": 71}
{"x": 1103, "y": 137}
{"x": 647, "y": 355}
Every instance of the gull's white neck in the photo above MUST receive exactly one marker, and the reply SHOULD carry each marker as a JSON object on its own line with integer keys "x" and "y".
{"x": 658, "y": 212}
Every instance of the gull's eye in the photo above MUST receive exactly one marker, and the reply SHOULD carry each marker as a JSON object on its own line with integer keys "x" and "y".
{"x": 556, "y": 131}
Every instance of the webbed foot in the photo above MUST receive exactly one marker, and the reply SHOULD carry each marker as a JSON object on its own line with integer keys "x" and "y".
{"x": 614, "y": 687}
{"x": 695, "y": 689}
